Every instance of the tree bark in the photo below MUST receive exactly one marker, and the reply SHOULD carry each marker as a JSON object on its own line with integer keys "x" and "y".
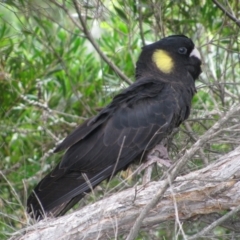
{"x": 212, "y": 189}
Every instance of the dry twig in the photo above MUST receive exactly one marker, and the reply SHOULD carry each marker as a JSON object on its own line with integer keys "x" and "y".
{"x": 237, "y": 21}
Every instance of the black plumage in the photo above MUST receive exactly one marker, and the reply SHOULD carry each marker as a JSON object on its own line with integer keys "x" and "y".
{"x": 135, "y": 121}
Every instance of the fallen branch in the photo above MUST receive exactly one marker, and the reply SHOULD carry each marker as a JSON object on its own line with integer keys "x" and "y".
{"x": 212, "y": 189}
{"x": 172, "y": 173}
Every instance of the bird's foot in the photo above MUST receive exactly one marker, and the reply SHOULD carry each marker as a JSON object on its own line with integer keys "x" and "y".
{"x": 158, "y": 155}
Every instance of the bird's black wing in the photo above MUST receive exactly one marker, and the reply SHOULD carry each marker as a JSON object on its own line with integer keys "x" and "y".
{"x": 135, "y": 121}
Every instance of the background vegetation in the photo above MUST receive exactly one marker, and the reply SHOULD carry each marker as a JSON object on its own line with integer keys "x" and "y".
{"x": 56, "y": 70}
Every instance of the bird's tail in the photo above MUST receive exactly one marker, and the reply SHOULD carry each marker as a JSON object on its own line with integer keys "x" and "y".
{"x": 55, "y": 196}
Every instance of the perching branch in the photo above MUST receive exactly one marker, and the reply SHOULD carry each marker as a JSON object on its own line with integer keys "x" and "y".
{"x": 212, "y": 189}
{"x": 172, "y": 173}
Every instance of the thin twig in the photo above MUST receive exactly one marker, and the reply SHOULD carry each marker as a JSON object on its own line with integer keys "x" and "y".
{"x": 214, "y": 224}
{"x": 140, "y": 21}
{"x": 232, "y": 224}
{"x": 45, "y": 107}
{"x": 95, "y": 45}
{"x": 10, "y": 170}
{"x": 36, "y": 103}
{"x": 201, "y": 152}
{"x": 176, "y": 213}
{"x": 237, "y": 21}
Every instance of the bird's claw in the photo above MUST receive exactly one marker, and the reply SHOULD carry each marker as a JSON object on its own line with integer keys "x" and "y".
{"x": 158, "y": 155}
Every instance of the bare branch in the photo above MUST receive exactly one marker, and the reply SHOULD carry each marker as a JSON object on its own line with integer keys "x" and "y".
{"x": 190, "y": 131}
{"x": 215, "y": 224}
{"x": 95, "y": 45}
{"x": 89, "y": 36}
{"x": 237, "y": 21}
{"x": 46, "y": 108}
{"x": 172, "y": 173}
{"x": 232, "y": 223}
{"x": 197, "y": 193}
{"x": 140, "y": 21}
{"x": 10, "y": 170}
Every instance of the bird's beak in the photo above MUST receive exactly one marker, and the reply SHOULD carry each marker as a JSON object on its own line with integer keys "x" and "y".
{"x": 195, "y": 53}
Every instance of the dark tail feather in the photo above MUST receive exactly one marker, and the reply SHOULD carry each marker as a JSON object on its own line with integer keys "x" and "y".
{"x": 54, "y": 197}
{"x": 38, "y": 211}
{"x": 69, "y": 205}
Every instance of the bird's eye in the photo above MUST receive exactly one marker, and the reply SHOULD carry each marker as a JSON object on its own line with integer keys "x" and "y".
{"x": 182, "y": 50}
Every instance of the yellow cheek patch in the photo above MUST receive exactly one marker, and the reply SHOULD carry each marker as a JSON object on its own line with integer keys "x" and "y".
{"x": 163, "y": 61}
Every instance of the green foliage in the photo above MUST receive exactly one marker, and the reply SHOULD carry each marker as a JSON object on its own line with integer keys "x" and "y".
{"x": 52, "y": 78}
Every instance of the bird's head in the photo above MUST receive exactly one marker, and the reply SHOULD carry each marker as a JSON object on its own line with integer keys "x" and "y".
{"x": 173, "y": 56}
